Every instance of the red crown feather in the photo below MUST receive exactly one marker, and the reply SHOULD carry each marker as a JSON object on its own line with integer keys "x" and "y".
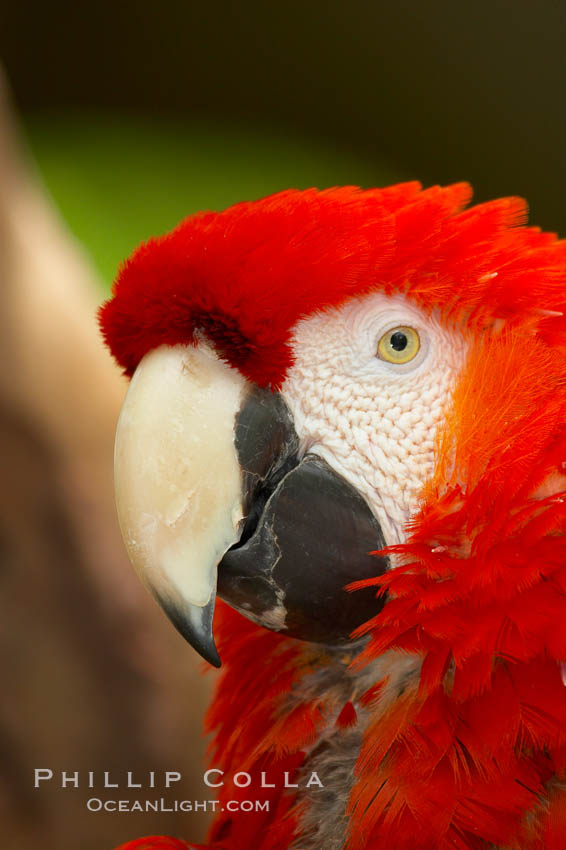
{"x": 246, "y": 275}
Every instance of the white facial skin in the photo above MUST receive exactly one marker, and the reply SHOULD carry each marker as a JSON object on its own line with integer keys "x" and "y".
{"x": 373, "y": 421}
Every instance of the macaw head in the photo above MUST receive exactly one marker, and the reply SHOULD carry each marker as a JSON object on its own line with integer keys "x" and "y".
{"x": 347, "y": 411}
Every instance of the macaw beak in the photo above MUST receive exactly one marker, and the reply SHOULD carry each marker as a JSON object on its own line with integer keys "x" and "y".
{"x": 213, "y": 495}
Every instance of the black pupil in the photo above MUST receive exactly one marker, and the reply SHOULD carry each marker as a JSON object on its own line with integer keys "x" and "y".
{"x": 399, "y": 341}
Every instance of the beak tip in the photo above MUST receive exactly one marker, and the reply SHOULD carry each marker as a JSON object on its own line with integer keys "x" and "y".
{"x": 215, "y": 661}
{"x": 195, "y": 625}
{"x": 207, "y": 650}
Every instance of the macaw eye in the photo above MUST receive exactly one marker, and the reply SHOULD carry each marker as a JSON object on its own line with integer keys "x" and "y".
{"x": 399, "y": 345}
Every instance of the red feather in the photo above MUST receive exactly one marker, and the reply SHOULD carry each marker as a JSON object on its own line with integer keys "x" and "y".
{"x": 158, "y": 842}
{"x": 246, "y": 275}
{"x": 347, "y": 717}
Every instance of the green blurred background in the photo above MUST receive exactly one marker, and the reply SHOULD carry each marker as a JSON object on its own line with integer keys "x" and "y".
{"x": 119, "y": 180}
{"x": 140, "y": 113}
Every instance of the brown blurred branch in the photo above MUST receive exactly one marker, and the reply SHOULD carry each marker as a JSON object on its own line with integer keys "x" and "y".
{"x": 93, "y": 677}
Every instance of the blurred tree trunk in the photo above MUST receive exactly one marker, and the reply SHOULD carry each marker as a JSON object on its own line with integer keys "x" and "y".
{"x": 93, "y": 676}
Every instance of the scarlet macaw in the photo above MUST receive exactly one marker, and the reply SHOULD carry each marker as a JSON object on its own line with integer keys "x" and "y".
{"x": 362, "y": 390}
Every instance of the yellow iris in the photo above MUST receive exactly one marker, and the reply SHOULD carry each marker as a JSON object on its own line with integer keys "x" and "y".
{"x": 399, "y": 345}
